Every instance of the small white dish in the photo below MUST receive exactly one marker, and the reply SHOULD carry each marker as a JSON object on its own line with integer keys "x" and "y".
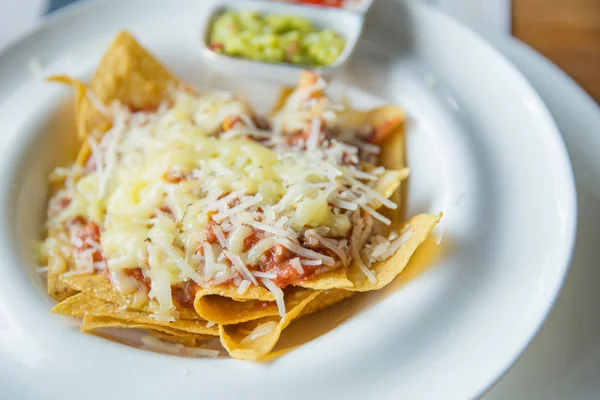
{"x": 346, "y": 22}
{"x": 476, "y": 146}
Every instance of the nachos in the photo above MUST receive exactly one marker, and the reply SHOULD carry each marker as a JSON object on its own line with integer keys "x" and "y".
{"x": 191, "y": 216}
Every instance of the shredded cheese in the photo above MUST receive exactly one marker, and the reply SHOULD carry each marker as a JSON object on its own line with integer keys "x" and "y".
{"x": 184, "y": 190}
{"x": 304, "y": 252}
{"x": 295, "y": 262}
{"x": 243, "y": 287}
{"x": 239, "y": 265}
{"x": 277, "y": 293}
{"x": 220, "y": 236}
{"x": 261, "y": 330}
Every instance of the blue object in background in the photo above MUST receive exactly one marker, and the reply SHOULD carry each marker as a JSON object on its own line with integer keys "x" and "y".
{"x": 56, "y": 4}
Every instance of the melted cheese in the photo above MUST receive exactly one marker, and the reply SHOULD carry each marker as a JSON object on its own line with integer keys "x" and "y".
{"x": 164, "y": 182}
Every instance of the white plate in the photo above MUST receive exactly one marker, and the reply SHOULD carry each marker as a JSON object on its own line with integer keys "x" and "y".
{"x": 563, "y": 361}
{"x": 18, "y": 17}
{"x": 482, "y": 147}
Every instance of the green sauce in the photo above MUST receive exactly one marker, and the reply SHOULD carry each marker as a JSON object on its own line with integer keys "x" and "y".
{"x": 274, "y": 38}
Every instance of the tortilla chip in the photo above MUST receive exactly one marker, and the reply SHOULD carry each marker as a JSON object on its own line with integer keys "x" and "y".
{"x": 335, "y": 279}
{"x": 130, "y": 74}
{"x": 184, "y": 338}
{"x": 224, "y": 310}
{"x": 92, "y": 322}
{"x": 227, "y": 311}
{"x": 57, "y": 288}
{"x": 386, "y": 270}
{"x": 392, "y": 157}
{"x": 390, "y": 181}
{"x": 127, "y": 73}
{"x": 223, "y": 305}
{"x": 230, "y": 291}
{"x": 85, "y": 151}
{"x": 387, "y": 185}
{"x": 98, "y": 286}
{"x": 284, "y": 93}
{"x": 385, "y": 121}
{"x": 388, "y": 122}
{"x": 83, "y": 304}
{"x": 326, "y": 299}
{"x": 238, "y": 343}
{"x": 57, "y": 266}
{"x": 87, "y": 117}
{"x": 307, "y": 78}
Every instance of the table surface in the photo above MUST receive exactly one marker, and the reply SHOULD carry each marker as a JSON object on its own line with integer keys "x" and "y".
{"x": 565, "y": 31}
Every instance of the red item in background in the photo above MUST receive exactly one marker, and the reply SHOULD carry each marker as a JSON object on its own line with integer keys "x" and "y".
{"x": 325, "y": 3}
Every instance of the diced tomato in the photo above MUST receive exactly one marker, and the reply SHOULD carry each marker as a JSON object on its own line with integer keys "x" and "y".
{"x": 383, "y": 131}
{"x": 325, "y": 3}
{"x": 280, "y": 253}
{"x": 88, "y": 234}
{"x": 286, "y": 274}
{"x": 278, "y": 262}
{"x": 234, "y": 202}
{"x": 90, "y": 231}
{"x": 230, "y": 122}
{"x": 291, "y": 50}
{"x": 186, "y": 293}
{"x": 75, "y": 222}
{"x": 217, "y": 47}
{"x": 173, "y": 176}
{"x": 251, "y": 240}
{"x": 163, "y": 209}
{"x": 90, "y": 165}
{"x": 347, "y": 159}
{"x": 64, "y": 203}
{"x": 211, "y": 238}
{"x": 139, "y": 276}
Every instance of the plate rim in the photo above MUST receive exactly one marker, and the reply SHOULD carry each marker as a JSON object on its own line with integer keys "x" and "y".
{"x": 519, "y": 52}
{"x": 489, "y": 40}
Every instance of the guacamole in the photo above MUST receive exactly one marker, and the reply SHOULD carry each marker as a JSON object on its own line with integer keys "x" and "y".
{"x": 274, "y": 38}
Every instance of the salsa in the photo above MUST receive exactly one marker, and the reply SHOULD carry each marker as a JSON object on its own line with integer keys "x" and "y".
{"x": 325, "y": 3}
{"x": 277, "y": 260}
{"x": 85, "y": 238}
